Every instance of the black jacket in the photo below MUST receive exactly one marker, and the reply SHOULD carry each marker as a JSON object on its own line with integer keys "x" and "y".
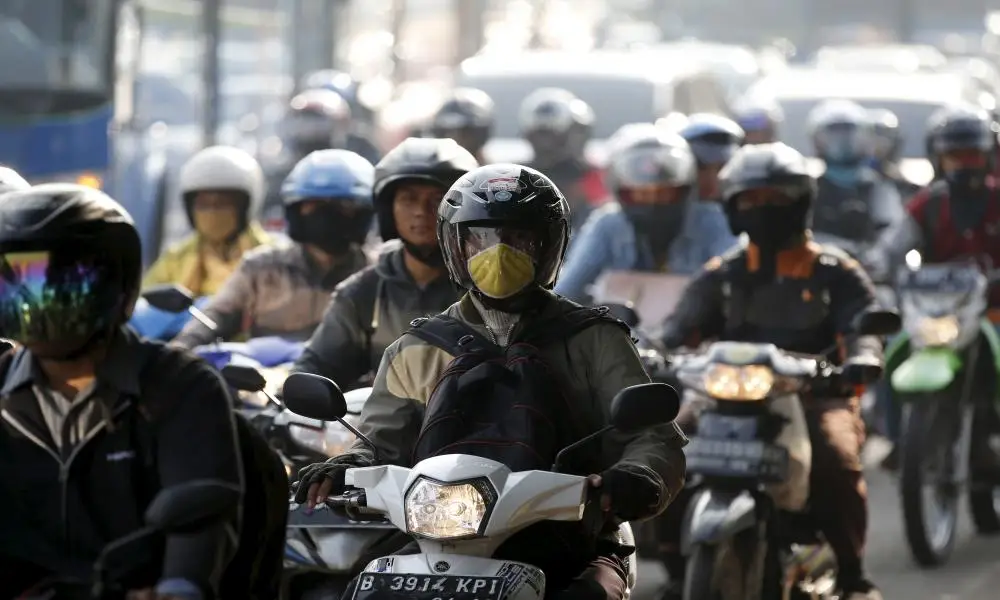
{"x": 58, "y": 509}
{"x": 369, "y": 311}
{"x": 806, "y": 304}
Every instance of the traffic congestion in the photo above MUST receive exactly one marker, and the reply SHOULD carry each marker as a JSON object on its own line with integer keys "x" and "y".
{"x": 658, "y": 314}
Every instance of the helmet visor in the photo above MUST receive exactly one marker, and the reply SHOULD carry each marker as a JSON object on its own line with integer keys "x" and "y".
{"x": 54, "y": 302}
{"x": 760, "y": 197}
{"x": 645, "y": 167}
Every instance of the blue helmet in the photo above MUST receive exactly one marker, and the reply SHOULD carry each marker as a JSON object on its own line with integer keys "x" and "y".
{"x": 713, "y": 138}
{"x": 328, "y": 199}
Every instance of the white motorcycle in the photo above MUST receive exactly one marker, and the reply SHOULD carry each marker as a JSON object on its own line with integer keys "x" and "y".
{"x": 461, "y": 508}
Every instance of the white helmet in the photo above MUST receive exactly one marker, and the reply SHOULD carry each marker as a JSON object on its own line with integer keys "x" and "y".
{"x": 10, "y": 181}
{"x": 223, "y": 168}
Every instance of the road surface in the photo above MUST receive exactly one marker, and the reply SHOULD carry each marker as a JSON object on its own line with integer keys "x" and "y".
{"x": 972, "y": 574}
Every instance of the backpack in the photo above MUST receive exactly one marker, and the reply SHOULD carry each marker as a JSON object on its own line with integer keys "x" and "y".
{"x": 254, "y": 571}
{"x": 503, "y": 404}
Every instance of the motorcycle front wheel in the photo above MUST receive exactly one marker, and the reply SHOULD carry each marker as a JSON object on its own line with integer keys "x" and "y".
{"x": 700, "y": 581}
{"x": 930, "y": 500}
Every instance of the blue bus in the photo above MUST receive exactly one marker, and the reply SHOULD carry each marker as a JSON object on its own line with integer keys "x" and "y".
{"x": 65, "y": 103}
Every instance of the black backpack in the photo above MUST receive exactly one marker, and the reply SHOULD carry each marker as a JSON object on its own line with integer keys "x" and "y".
{"x": 503, "y": 404}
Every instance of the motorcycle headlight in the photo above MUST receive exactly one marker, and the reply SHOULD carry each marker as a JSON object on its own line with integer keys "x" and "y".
{"x": 447, "y": 511}
{"x": 726, "y": 382}
{"x": 937, "y": 331}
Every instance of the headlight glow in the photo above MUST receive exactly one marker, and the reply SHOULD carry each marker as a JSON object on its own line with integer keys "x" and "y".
{"x": 937, "y": 331}
{"x": 444, "y": 511}
{"x": 90, "y": 180}
{"x": 750, "y": 383}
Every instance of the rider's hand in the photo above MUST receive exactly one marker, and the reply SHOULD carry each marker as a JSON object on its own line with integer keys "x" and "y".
{"x": 630, "y": 492}
{"x": 317, "y": 481}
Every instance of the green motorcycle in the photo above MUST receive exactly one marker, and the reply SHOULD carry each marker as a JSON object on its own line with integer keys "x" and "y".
{"x": 944, "y": 368}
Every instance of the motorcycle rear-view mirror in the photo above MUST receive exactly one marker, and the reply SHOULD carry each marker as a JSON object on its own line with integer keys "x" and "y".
{"x": 193, "y": 506}
{"x": 246, "y": 379}
{"x": 625, "y": 313}
{"x": 169, "y": 298}
{"x": 878, "y": 322}
{"x": 643, "y": 406}
{"x": 316, "y": 397}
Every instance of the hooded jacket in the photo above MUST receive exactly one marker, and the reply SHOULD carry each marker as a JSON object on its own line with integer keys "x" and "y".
{"x": 367, "y": 312}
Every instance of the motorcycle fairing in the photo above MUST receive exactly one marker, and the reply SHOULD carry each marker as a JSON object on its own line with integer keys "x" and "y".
{"x": 714, "y": 516}
{"x": 927, "y": 370}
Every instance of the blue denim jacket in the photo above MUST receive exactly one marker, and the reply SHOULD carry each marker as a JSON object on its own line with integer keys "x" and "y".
{"x": 608, "y": 242}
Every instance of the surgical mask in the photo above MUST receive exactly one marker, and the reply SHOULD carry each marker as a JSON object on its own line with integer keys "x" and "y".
{"x": 843, "y": 175}
{"x": 501, "y": 271}
{"x": 216, "y": 225}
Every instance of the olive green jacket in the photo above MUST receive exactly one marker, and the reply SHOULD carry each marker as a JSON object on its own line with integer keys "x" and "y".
{"x": 595, "y": 364}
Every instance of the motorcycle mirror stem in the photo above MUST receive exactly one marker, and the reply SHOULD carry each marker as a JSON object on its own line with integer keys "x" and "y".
{"x": 577, "y": 445}
{"x": 204, "y": 319}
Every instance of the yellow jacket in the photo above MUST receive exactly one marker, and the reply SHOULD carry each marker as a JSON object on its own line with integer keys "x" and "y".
{"x": 202, "y": 272}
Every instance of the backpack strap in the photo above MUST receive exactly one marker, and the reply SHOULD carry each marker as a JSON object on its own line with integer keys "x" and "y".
{"x": 569, "y": 323}
{"x": 450, "y": 335}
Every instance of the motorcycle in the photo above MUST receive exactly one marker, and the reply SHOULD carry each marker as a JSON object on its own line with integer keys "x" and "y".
{"x": 485, "y": 504}
{"x": 323, "y": 550}
{"x": 185, "y": 508}
{"x": 156, "y": 324}
{"x": 944, "y": 370}
{"x": 746, "y": 532}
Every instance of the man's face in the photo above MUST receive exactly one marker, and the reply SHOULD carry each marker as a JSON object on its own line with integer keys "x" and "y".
{"x": 760, "y": 136}
{"x": 414, "y": 208}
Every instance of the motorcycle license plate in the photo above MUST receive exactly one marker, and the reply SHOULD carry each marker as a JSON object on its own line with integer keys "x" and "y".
{"x": 737, "y": 458}
{"x": 726, "y": 427}
{"x": 390, "y": 586}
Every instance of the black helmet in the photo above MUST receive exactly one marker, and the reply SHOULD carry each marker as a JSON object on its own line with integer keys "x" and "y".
{"x": 317, "y": 119}
{"x": 504, "y": 230}
{"x": 466, "y": 117}
{"x": 965, "y": 127}
{"x": 432, "y": 160}
{"x": 713, "y": 138}
{"x": 11, "y": 181}
{"x": 71, "y": 265}
{"x": 783, "y": 172}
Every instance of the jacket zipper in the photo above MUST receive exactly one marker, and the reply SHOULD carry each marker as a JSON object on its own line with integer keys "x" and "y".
{"x": 64, "y": 467}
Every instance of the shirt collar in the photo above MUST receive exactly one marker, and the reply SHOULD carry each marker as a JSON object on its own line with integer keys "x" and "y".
{"x": 119, "y": 370}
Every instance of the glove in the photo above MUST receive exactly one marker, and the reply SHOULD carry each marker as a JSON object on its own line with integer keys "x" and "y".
{"x": 632, "y": 491}
{"x": 332, "y": 469}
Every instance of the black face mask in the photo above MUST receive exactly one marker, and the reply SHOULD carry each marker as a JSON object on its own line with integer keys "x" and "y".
{"x": 327, "y": 228}
{"x": 969, "y": 197}
{"x": 770, "y": 228}
{"x": 430, "y": 256}
{"x": 662, "y": 223}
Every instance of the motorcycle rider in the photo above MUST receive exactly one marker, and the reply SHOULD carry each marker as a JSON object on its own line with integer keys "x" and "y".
{"x": 222, "y": 189}
{"x": 885, "y": 155}
{"x": 713, "y": 140}
{"x": 787, "y": 290}
{"x": 11, "y": 181}
{"x": 648, "y": 226}
{"x": 283, "y": 289}
{"x": 505, "y": 298}
{"x": 348, "y": 88}
{"x": 558, "y": 126}
{"x": 372, "y": 308}
{"x": 317, "y": 119}
{"x": 951, "y": 219}
{"x": 75, "y": 399}
{"x": 759, "y": 120}
{"x": 466, "y": 117}
{"x": 853, "y": 202}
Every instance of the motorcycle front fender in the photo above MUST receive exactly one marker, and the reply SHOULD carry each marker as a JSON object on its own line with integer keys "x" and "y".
{"x": 928, "y": 370}
{"x": 714, "y": 516}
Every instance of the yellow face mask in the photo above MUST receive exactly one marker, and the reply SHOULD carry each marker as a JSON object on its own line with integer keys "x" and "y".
{"x": 216, "y": 225}
{"x": 501, "y": 271}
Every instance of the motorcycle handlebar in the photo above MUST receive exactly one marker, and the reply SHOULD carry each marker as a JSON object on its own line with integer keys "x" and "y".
{"x": 354, "y": 502}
